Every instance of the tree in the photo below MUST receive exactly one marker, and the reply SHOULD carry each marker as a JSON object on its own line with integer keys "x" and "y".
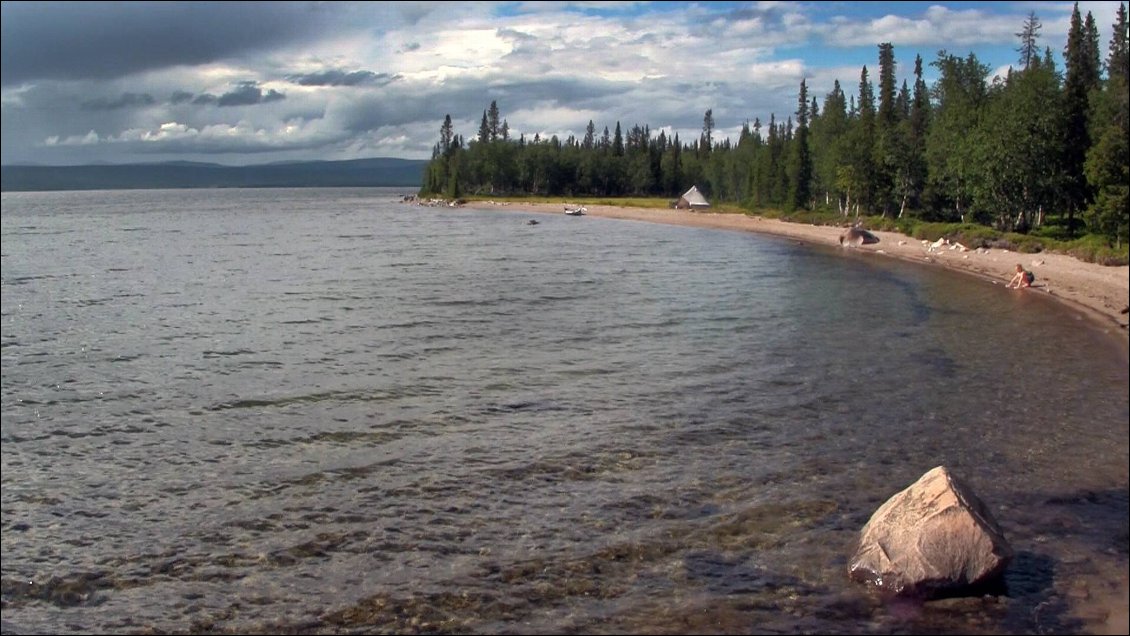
{"x": 800, "y": 166}
{"x": 917, "y": 123}
{"x": 707, "y": 140}
{"x": 484, "y": 129}
{"x": 959, "y": 95}
{"x": 446, "y": 135}
{"x": 889, "y": 147}
{"x": 1107, "y": 166}
{"x": 590, "y": 137}
{"x": 861, "y": 150}
{"x": 888, "y": 114}
{"x": 828, "y": 134}
{"x": 1029, "y": 34}
{"x": 671, "y": 167}
{"x": 1118, "y": 59}
{"x": 1082, "y": 77}
{"x": 1108, "y": 172}
{"x": 452, "y": 190}
{"x": 493, "y": 120}
{"x": 1017, "y": 149}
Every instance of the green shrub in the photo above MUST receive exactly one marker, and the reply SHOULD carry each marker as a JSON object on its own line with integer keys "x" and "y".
{"x": 1096, "y": 249}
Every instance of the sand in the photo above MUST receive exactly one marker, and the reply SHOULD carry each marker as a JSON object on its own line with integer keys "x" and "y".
{"x": 1097, "y": 291}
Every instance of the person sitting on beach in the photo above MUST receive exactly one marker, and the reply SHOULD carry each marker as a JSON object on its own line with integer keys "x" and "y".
{"x": 1023, "y": 278}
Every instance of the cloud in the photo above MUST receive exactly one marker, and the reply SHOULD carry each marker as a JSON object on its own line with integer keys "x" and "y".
{"x": 336, "y": 77}
{"x": 106, "y": 40}
{"x": 126, "y": 100}
{"x": 89, "y": 139}
{"x": 245, "y": 93}
{"x": 243, "y": 137}
{"x": 84, "y": 74}
{"x": 938, "y": 26}
{"x": 248, "y": 94}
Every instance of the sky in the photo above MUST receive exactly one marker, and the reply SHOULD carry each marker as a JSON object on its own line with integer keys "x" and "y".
{"x": 240, "y": 83}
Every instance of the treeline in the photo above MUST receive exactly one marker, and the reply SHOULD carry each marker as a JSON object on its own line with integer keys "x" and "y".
{"x": 1039, "y": 150}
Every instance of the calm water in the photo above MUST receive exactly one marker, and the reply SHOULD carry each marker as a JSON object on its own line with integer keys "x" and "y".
{"x": 326, "y": 411}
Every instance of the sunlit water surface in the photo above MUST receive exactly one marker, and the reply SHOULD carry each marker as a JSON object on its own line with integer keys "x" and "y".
{"x": 328, "y": 411}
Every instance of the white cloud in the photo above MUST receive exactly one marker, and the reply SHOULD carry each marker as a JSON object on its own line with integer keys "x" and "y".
{"x": 89, "y": 139}
{"x": 938, "y": 26}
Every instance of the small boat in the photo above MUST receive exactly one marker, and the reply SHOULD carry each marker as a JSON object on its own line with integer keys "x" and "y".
{"x": 532, "y": 222}
{"x": 575, "y": 211}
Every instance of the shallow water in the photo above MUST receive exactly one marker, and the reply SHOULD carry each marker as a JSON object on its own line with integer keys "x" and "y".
{"x": 326, "y": 411}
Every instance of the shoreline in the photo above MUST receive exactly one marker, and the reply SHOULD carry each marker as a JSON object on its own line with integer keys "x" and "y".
{"x": 1099, "y": 292}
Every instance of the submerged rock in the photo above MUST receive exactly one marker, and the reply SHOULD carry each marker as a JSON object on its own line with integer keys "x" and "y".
{"x": 936, "y": 538}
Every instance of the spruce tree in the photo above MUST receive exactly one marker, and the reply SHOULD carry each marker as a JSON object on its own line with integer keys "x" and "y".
{"x": 1107, "y": 166}
{"x": 917, "y": 124}
{"x": 888, "y": 146}
{"x": 887, "y": 110}
{"x": 1082, "y": 77}
{"x": 1029, "y": 34}
{"x": 800, "y": 168}
{"x": 493, "y": 124}
{"x": 484, "y": 129}
{"x": 706, "y": 143}
{"x": 1118, "y": 59}
{"x": 446, "y": 134}
{"x": 590, "y": 137}
{"x": 862, "y": 152}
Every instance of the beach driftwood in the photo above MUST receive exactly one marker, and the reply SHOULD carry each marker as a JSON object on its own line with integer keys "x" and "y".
{"x": 934, "y": 539}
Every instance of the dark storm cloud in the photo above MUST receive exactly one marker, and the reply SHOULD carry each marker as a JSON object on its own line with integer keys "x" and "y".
{"x": 247, "y": 94}
{"x": 104, "y": 40}
{"x": 180, "y": 97}
{"x": 126, "y": 100}
{"x": 341, "y": 78}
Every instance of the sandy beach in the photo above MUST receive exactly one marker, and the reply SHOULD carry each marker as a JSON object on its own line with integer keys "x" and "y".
{"x": 1099, "y": 292}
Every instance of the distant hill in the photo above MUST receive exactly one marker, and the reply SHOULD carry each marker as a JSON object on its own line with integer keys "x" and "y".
{"x": 183, "y": 174}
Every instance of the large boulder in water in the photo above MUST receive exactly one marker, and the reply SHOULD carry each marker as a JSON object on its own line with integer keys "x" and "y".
{"x": 934, "y": 539}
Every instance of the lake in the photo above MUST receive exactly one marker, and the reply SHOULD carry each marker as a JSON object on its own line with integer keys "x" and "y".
{"x": 327, "y": 411}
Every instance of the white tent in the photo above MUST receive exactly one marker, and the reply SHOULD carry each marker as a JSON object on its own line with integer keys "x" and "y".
{"x": 692, "y": 199}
